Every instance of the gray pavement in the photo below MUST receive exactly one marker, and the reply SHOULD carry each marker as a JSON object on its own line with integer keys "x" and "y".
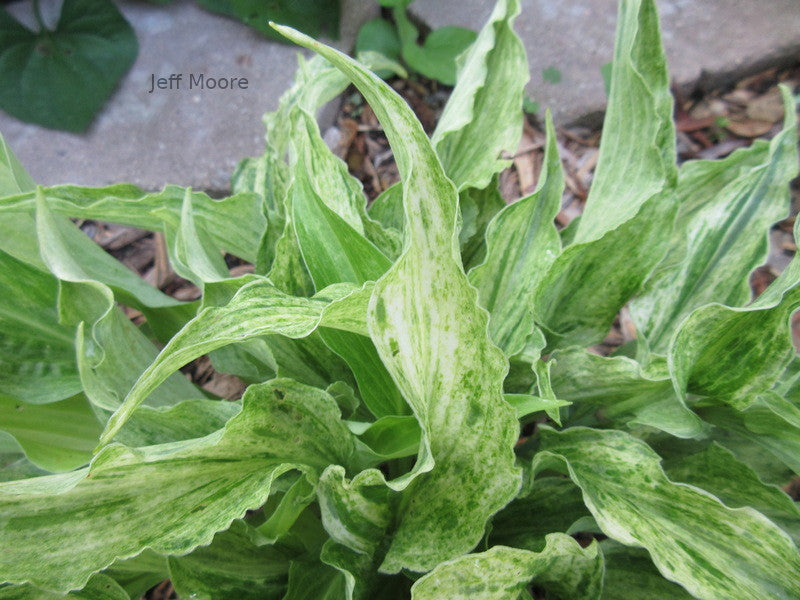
{"x": 708, "y": 39}
{"x": 193, "y": 137}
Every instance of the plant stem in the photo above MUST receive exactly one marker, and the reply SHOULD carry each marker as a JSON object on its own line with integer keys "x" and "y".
{"x": 37, "y": 12}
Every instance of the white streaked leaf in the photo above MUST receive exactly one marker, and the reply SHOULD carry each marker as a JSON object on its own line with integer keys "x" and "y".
{"x": 437, "y": 350}
{"x": 256, "y": 309}
{"x": 196, "y": 488}
{"x": 637, "y": 150}
{"x": 715, "y": 552}
{"x": 483, "y": 116}
{"x": 522, "y": 242}
{"x": 563, "y": 568}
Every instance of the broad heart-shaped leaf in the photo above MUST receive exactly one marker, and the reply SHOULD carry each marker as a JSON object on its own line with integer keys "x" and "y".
{"x": 482, "y": 118}
{"x": 257, "y": 309}
{"x": 61, "y": 78}
{"x": 522, "y": 242}
{"x": 715, "y": 552}
{"x": 198, "y": 487}
{"x": 637, "y": 151}
{"x": 563, "y": 568}
{"x": 619, "y": 390}
{"x": 432, "y": 336}
{"x": 57, "y": 436}
{"x": 436, "y": 58}
{"x": 99, "y": 587}
{"x": 723, "y": 238}
{"x": 231, "y": 567}
{"x": 312, "y": 16}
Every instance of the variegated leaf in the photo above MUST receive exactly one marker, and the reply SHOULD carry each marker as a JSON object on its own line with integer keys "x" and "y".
{"x": 714, "y": 551}
{"x": 522, "y": 242}
{"x": 724, "y": 235}
{"x": 563, "y": 568}
{"x": 432, "y": 336}
{"x": 483, "y": 116}
{"x": 197, "y": 488}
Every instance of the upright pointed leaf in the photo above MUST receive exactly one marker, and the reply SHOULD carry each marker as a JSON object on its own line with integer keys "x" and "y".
{"x": 522, "y": 242}
{"x": 637, "y": 151}
{"x": 437, "y": 350}
{"x": 723, "y": 239}
{"x": 483, "y": 117}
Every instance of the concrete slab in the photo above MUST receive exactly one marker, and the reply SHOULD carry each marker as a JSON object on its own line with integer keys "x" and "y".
{"x": 708, "y": 40}
{"x": 186, "y": 137}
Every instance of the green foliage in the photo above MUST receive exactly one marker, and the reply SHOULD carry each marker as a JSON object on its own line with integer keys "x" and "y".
{"x": 60, "y": 78}
{"x": 435, "y": 58}
{"x": 393, "y": 354}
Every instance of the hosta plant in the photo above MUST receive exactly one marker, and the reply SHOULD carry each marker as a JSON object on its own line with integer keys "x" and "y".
{"x": 423, "y": 418}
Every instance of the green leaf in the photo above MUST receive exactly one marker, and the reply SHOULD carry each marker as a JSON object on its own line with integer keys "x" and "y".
{"x": 428, "y": 348}
{"x": 631, "y": 575}
{"x": 551, "y": 75}
{"x": 716, "y": 470}
{"x": 724, "y": 235}
{"x": 620, "y": 390}
{"x": 769, "y": 422}
{"x": 234, "y": 224}
{"x": 436, "y": 58}
{"x": 13, "y": 177}
{"x": 589, "y": 283}
{"x": 314, "y": 581}
{"x": 625, "y": 226}
{"x": 38, "y": 358}
{"x": 637, "y": 151}
{"x": 522, "y": 242}
{"x": 230, "y": 567}
{"x": 198, "y": 487}
{"x": 477, "y": 208}
{"x": 99, "y": 587}
{"x": 107, "y": 367}
{"x": 61, "y": 78}
{"x": 715, "y": 552}
{"x": 482, "y": 117}
{"x": 501, "y": 573}
{"x": 58, "y": 436}
{"x": 736, "y": 353}
{"x": 357, "y": 515}
{"x": 553, "y": 505}
{"x": 314, "y": 17}
{"x": 257, "y": 309}
{"x": 379, "y": 35}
